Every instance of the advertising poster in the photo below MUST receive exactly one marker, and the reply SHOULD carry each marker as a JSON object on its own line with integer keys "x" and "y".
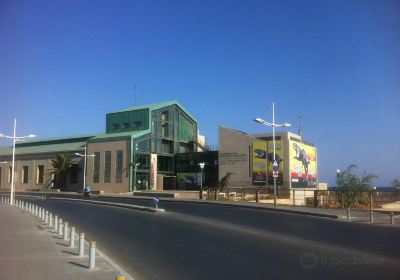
{"x": 303, "y": 165}
{"x": 259, "y": 159}
{"x": 153, "y": 171}
{"x": 279, "y": 161}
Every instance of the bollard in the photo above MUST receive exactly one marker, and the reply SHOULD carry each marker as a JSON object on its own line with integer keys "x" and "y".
{"x": 72, "y": 238}
{"x": 82, "y": 245}
{"x": 371, "y": 216}
{"x": 348, "y": 214}
{"x": 46, "y": 219}
{"x": 92, "y": 255}
{"x": 55, "y": 223}
{"x": 65, "y": 231}
{"x": 2, "y": 199}
{"x": 36, "y": 210}
{"x": 391, "y": 218}
{"x": 60, "y": 227}
{"x": 51, "y": 220}
{"x": 257, "y": 195}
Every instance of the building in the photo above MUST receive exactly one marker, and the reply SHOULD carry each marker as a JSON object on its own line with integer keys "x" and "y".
{"x": 249, "y": 157}
{"x": 137, "y": 152}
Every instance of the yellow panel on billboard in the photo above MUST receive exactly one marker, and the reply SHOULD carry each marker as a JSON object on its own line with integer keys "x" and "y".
{"x": 303, "y": 164}
{"x": 259, "y": 159}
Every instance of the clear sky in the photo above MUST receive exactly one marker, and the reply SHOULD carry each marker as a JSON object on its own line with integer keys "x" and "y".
{"x": 65, "y": 64}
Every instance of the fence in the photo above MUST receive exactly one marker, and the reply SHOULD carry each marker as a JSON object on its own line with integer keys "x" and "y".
{"x": 312, "y": 198}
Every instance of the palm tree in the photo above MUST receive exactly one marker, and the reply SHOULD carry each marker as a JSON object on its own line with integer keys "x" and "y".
{"x": 61, "y": 166}
{"x": 396, "y": 183}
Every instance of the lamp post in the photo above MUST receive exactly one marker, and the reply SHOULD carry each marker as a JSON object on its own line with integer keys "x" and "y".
{"x": 85, "y": 156}
{"x": 135, "y": 171}
{"x": 273, "y": 125}
{"x": 14, "y": 137}
{"x": 201, "y": 164}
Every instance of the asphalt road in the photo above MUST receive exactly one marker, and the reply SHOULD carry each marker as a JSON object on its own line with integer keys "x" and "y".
{"x": 196, "y": 241}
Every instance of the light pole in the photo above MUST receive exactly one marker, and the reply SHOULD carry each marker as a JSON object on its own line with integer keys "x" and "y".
{"x": 85, "y": 156}
{"x": 201, "y": 164}
{"x": 14, "y": 137}
{"x": 273, "y": 124}
{"x": 135, "y": 172}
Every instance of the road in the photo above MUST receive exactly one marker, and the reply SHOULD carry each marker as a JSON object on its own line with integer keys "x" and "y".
{"x": 195, "y": 241}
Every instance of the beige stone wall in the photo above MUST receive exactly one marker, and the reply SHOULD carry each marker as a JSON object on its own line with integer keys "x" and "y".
{"x": 32, "y": 161}
{"x": 113, "y": 147}
{"x": 234, "y": 156}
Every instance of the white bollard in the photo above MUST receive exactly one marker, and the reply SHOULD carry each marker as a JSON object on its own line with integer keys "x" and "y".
{"x": 55, "y": 223}
{"x": 50, "y": 220}
{"x": 2, "y": 199}
{"x": 65, "y": 231}
{"x": 81, "y": 244}
{"x": 46, "y": 219}
{"x": 92, "y": 255}
{"x": 72, "y": 238}
{"x": 60, "y": 227}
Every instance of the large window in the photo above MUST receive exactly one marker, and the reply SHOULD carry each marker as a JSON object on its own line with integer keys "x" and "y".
{"x": 118, "y": 166}
{"x": 0, "y": 176}
{"x": 96, "y": 167}
{"x": 40, "y": 174}
{"x": 107, "y": 167}
{"x": 74, "y": 174}
{"x": 25, "y": 174}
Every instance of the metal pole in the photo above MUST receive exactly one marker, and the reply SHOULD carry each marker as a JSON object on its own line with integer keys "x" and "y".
{"x": 294, "y": 198}
{"x": 92, "y": 255}
{"x": 84, "y": 170}
{"x": 13, "y": 164}
{"x": 273, "y": 143}
{"x": 257, "y": 198}
{"x": 348, "y": 214}
{"x": 391, "y": 218}
{"x": 81, "y": 244}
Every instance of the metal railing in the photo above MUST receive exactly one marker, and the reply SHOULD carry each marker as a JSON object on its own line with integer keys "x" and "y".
{"x": 362, "y": 199}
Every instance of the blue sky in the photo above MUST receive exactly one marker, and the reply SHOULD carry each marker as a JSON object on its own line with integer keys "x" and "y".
{"x": 65, "y": 64}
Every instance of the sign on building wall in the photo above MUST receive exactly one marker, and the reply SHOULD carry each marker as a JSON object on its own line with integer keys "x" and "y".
{"x": 259, "y": 159}
{"x": 278, "y": 159}
{"x": 303, "y": 165}
{"x": 153, "y": 171}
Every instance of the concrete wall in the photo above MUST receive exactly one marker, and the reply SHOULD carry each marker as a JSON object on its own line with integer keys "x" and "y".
{"x": 113, "y": 147}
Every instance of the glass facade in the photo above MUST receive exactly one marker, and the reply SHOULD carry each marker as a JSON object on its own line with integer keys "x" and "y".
{"x": 172, "y": 132}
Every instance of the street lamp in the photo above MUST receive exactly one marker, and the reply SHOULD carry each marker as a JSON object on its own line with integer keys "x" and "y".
{"x": 273, "y": 124}
{"x": 85, "y": 156}
{"x": 201, "y": 164}
{"x": 15, "y": 138}
{"x": 135, "y": 171}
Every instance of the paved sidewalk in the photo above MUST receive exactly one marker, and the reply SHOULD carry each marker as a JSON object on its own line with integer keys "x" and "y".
{"x": 31, "y": 250}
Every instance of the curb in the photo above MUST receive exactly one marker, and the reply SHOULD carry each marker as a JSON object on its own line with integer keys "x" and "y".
{"x": 120, "y": 205}
{"x": 322, "y": 215}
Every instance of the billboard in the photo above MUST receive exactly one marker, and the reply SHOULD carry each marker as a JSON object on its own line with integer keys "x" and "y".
{"x": 259, "y": 162}
{"x": 303, "y": 165}
{"x": 278, "y": 159}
